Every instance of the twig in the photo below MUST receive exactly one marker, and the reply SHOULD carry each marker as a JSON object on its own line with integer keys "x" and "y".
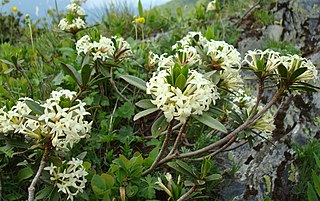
{"x": 10, "y": 92}
{"x": 247, "y": 13}
{"x": 245, "y": 125}
{"x": 31, "y": 189}
{"x": 187, "y": 194}
{"x": 217, "y": 151}
{"x": 113, "y": 84}
{"x": 28, "y": 80}
{"x": 161, "y": 152}
{"x": 175, "y": 145}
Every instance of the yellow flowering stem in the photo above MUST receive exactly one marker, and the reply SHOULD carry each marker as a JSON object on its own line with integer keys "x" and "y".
{"x": 161, "y": 152}
{"x": 31, "y": 189}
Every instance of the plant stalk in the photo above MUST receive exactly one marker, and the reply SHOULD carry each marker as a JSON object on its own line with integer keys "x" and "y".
{"x": 31, "y": 189}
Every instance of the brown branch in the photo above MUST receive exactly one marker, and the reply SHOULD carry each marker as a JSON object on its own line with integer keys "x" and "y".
{"x": 247, "y": 13}
{"x": 6, "y": 86}
{"x": 187, "y": 194}
{"x": 31, "y": 189}
{"x": 245, "y": 125}
{"x": 113, "y": 84}
{"x": 217, "y": 151}
{"x": 175, "y": 145}
{"x": 161, "y": 152}
{"x": 28, "y": 80}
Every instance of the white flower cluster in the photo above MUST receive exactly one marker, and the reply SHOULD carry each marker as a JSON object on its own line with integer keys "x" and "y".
{"x": 270, "y": 57}
{"x": 13, "y": 120}
{"x": 104, "y": 48}
{"x": 221, "y": 56}
{"x": 242, "y": 102}
{"x": 198, "y": 94}
{"x": 271, "y": 60}
{"x": 75, "y": 19}
{"x": 70, "y": 180}
{"x": 63, "y": 125}
{"x": 294, "y": 62}
{"x": 190, "y": 39}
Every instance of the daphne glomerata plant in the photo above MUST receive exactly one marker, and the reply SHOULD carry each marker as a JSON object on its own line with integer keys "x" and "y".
{"x": 74, "y": 19}
{"x": 60, "y": 119}
{"x": 103, "y": 48}
{"x": 69, "y": 178}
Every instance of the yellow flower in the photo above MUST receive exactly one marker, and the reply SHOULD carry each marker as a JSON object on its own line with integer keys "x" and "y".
{"x": 140, "y": 20}
{"x": 14, "y": 9}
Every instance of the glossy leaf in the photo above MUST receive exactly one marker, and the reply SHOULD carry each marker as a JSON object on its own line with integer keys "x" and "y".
{"x": 35, "y": 107}
{"x": 181, "y": 82}
{"x": 135, "y": 81}
{"x": 297, "y": 73}
{"x": 283, "y": 71}
{"x": 159, "y": 126}
{"x": 86, "y": 74}
{"x": 145, "y": 104}
{"x": 144, "y": 113}
{"x": 98, "y": 184}
{"x": 70, "y": 70}
{"x": 206, "y": 119}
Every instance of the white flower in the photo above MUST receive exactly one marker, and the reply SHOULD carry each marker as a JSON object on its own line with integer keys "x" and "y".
{"x": 75, "y": 8}
{"x": 270, "y": 59}
{"x": 123, "y": 47}
{"x": 191, "y": 39}
{"x": 188, "y": 55}
{"x": 222, "y": 54}
{"x": 71, "y": 179}
{"x": 77, "y": 24}
{"x": 211, "y": 6}
{"x": 104, "y": 49}
{"x": 294, "y": 62}
{"x": 196, "y": 97}
{"x": 83, "y": 45}
{"x": 231, "y": 79}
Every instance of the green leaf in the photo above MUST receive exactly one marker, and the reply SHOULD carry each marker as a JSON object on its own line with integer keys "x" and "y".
{"x": 181, "y": 82}
{"x": 145, "y": 104}
{"x": 144, "y": 113}
{"x": 213, "y": 177}
{"x": 180, "y": 169}
{"x": 316, "y": 158}
{"x": 176, "y": 72}
{"x": 297, "y": 73}
{"x": 86, "y": 74}
{"x": 24, "y": 173}
{"x": 125, "y": 111}
{"x": 187, "y": 168}
{"x": 70, "y": 70}
{"x": 185, "y": 71}
{"x": 98, "y": 184}
{"x": 140, "y": 8}
{"x": 35, "y": 107}
{"x": 44, "y": 193}
{"x": 135, "y": 81}
{"x": 312, "y": 196}
{"x": 283, "y": 71}
{"x": 159, "y": 126}
{"x": 211, "y": 122}
{"x": 316, "y": 182}
{"x": 109, "y": 180}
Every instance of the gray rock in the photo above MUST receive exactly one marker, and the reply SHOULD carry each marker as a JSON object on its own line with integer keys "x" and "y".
{"x": 274, "y": 32}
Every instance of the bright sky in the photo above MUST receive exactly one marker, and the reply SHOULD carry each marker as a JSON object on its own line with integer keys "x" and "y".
{"x": 38, "y": 8}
